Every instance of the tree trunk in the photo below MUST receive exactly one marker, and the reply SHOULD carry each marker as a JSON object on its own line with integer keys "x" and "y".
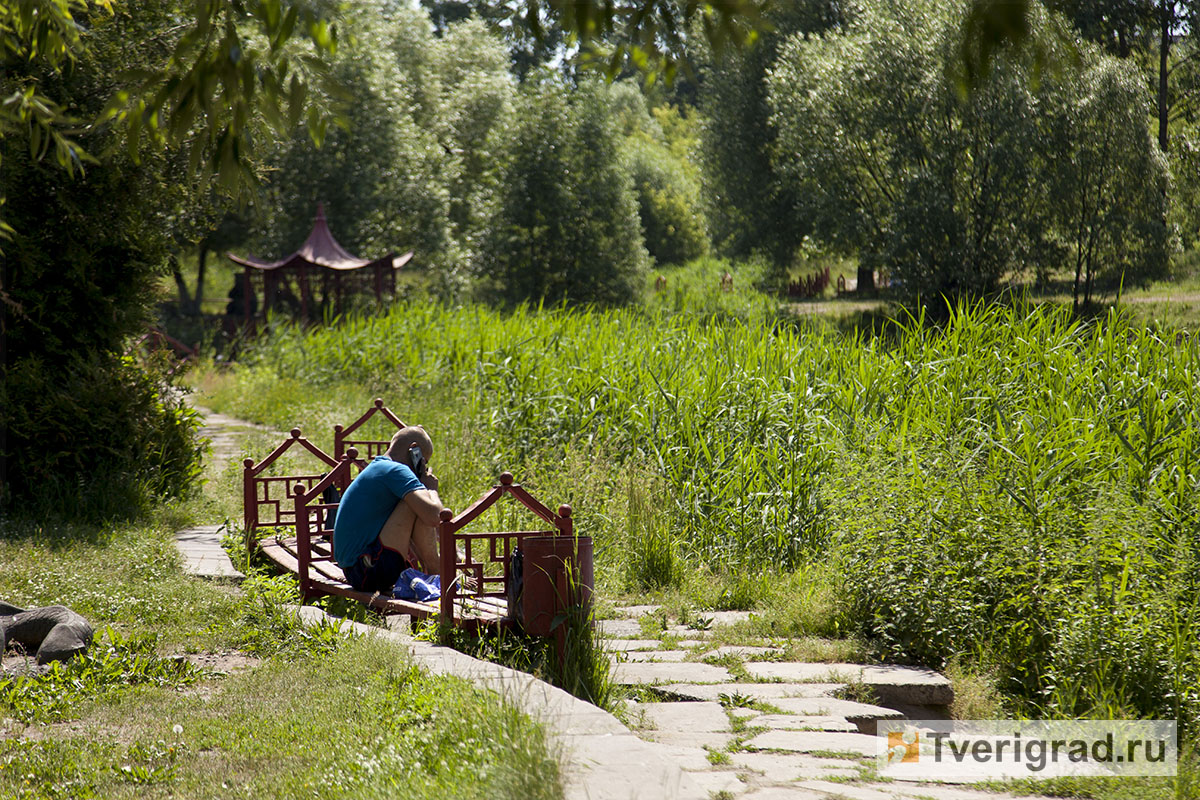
{"x": 185, "y": 300}
{"x": 1166, "y": 15}
{"x": 203, "y": 262}
{"x": 866, "y": 280}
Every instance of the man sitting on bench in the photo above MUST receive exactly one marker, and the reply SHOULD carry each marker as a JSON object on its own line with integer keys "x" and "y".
{"x": 392, "y": 504}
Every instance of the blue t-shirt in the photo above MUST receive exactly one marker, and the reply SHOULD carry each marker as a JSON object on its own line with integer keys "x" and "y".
{"x": 367, "y": 504}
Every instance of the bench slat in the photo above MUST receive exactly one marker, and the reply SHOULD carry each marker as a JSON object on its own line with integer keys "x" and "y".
{"x": 282, "y": 552}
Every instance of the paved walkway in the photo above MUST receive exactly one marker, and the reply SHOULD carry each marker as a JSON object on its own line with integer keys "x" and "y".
{"x": 743, "y": 724}
{"x": 200, "y": 547}
{"x": 203, "y": 555}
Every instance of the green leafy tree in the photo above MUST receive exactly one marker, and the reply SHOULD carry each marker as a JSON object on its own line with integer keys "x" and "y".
{"x": 567, "y": 227}
{"x": 660, "y": 148}
{"x": 1108, "y": 182}
{"x": 949, "y": 191}
{"x": 418, "y": 164}
{"x": 753, "y": 207}
{"x": 79, "y": 420}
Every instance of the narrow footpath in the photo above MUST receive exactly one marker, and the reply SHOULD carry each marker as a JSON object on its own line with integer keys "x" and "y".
{"x": 709, "y": 722}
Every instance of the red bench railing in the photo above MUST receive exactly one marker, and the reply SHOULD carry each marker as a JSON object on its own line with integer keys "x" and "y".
{"x": 369, "y": 448}
{"x": 267, "y": 499}
{"x": 482, "y": 549}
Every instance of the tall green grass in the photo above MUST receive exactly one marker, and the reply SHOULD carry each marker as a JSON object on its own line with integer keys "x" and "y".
{"x": 1012, "y": 485}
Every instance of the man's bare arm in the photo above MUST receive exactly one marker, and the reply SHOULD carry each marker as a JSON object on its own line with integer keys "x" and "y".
{"x": 426, "y": 504}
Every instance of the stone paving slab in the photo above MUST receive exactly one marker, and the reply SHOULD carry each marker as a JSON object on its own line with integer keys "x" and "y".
{"x": 780, "y": 768}
{"x": 798, "y": 722}
{"x": 832, "y": 706}
{"x": 743, "y": 650}
{"x": 626, "y": 645}
{"x": 686, "y": 716}
{"x": 645, "y": 673}
{"x": 686, "y": 630}
{"x": 691, "y": 643}
{"x": 783, "y": 793}
{"x": 892, "y": 683}
{"x": 850, "y": 791}
{"x": 652, "y": 656}
{"x": 619, "y": 628}
{"x": 810, "y": 742}
{"x": 766, "y": 692}
{"x": 701, "y": 739}
{"x": 637, "y": 611}
{"x": 203, "y": 555}
{"x": 693, "y": 759}
{"x": 926, "y": 791}
{"x": 714, "y": 781}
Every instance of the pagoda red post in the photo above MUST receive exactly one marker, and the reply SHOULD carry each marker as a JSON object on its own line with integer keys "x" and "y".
{"x": 448, "y": 554}
{"x": 246, "y": 290}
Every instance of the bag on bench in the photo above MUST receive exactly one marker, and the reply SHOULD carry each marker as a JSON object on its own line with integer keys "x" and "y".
{"x": 516, "y": 584}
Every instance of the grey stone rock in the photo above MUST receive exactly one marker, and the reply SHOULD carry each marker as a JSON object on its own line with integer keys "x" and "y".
{"x": 55, "y": 633}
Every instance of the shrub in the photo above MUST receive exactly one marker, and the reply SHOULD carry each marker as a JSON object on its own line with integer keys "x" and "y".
{"x": 96, "y": 437}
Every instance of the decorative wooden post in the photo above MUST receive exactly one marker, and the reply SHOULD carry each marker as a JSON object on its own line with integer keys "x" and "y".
{"x": 249, "y": 505}
{"x": 448, "y": 554}
{"x": 303, "y": 541}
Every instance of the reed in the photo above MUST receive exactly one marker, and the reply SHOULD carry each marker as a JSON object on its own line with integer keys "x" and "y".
{"x": 1012, "y": 485}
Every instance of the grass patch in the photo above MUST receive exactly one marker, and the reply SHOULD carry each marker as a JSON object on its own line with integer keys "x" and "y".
{"x": 309, "y": 714}
{"x": 112, "y": 664}
{"x": 383, "y": 728}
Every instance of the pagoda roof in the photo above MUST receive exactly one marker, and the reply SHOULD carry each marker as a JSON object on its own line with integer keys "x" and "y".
{"x": 320, "y": 249}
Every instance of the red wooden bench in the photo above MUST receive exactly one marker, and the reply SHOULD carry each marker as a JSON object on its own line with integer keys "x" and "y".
{"x": 475, "y": 565}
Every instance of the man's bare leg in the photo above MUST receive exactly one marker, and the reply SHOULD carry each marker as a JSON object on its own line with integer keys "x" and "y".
{"x": 402, "y": 529}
